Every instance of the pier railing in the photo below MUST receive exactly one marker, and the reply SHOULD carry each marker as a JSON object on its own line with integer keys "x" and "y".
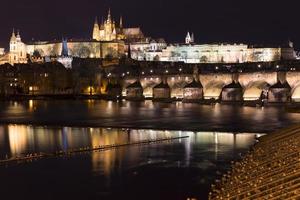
{"x": 40, "y": 155}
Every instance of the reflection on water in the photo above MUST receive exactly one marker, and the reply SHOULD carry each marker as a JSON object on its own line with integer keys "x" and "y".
{"x": 147, "y": 114}
{"x": 192, "y": 162}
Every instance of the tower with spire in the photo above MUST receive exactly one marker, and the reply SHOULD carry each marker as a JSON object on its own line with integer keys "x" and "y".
{"x": 64, "y": 58}
{"x": 96, "y": 29}
{"x": 189, "y": 39}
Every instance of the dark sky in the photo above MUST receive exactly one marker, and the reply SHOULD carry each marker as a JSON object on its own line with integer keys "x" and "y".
{"x": 252, "y": 21}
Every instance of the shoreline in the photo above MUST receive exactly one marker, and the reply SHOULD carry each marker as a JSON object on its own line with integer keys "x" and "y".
{"x": 254, "y": 103}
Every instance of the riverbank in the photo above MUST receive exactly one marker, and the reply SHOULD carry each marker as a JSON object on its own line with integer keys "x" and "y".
{"x": 254, "y": 103}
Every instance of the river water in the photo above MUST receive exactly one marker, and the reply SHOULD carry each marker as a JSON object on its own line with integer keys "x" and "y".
{"x": 180, "y": 169}
{"x": 147, "y": 115}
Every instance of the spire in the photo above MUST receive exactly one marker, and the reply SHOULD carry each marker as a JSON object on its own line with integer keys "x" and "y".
{"x": 13, "y": 36}
{"x": 18, "y": 36}
{"x": 96, "y": 21}
{"x": 188, "y": 38}
{"x": 121, "y": 22}
{"x": 64, "y": 49}
{"x": 109, "y": 15}
{"x": 192, "y": 38}
{"x": 96, "y": 30}
{"x": 18, "y": 32}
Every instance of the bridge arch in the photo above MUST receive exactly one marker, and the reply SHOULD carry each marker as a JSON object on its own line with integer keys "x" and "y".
{"x": 177, "y": 84}
{"x": 254, "y": 90}
{"x": 213, "y": 89}
{"x": 148, "y": 83}
{"x": 296, "y": 92}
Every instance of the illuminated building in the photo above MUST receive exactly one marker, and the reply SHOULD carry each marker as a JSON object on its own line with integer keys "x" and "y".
{"x": 216, "y": 53}
{"x": 2, "y": 51}
{"x": 17, "y": 49}
{"x": 108, "y": 30}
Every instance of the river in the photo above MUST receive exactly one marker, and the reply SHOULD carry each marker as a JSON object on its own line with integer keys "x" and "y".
{"x": 180, "y": 169}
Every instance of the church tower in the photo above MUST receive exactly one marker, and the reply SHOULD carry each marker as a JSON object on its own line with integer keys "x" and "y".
{"x": 189, "y": 38}
{"x": 96, "y": 30}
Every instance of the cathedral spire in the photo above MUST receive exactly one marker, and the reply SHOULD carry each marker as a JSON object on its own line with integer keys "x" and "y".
{"x": 96, "y": 21}
{"x": 96, "y": 30}
{"x": 121, "y": 22}
{"x": 109, "y": 15}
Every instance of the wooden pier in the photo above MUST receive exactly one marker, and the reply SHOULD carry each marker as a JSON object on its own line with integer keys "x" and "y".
{"x": 36, "y": 156}
{"x": 271, "y": 170}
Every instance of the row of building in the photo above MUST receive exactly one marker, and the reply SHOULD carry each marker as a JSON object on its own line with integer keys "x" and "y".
{"x": 111, "y": 40}
{"x": 159, "y": 50}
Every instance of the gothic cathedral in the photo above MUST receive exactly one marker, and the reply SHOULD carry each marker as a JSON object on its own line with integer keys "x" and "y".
{"x": 108, "y": 30}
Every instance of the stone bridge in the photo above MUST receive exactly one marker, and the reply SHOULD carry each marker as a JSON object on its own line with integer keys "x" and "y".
{"x": 274, "y": 86}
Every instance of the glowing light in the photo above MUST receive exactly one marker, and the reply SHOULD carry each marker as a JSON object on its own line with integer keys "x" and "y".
{"x": 30, "y": 104}
{"x": 296, "y": 94}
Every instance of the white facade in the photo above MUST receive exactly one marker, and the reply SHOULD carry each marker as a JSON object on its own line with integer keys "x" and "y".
{"x": 65, "y": 61}
{"x": 2, "y": 51}
{"x": 150, "y": 50}
{"x": 17, "y": 50}
{"x": 221, "y": 53}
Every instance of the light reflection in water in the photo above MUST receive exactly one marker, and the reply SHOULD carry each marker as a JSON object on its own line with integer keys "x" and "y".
{"x": 24, "y": 139}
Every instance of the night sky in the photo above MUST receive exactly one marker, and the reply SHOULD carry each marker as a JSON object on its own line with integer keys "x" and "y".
{"x": 249, "y": 21}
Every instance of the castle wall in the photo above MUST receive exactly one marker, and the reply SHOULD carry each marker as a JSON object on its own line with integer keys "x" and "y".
{"x": 81, "y": 49}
